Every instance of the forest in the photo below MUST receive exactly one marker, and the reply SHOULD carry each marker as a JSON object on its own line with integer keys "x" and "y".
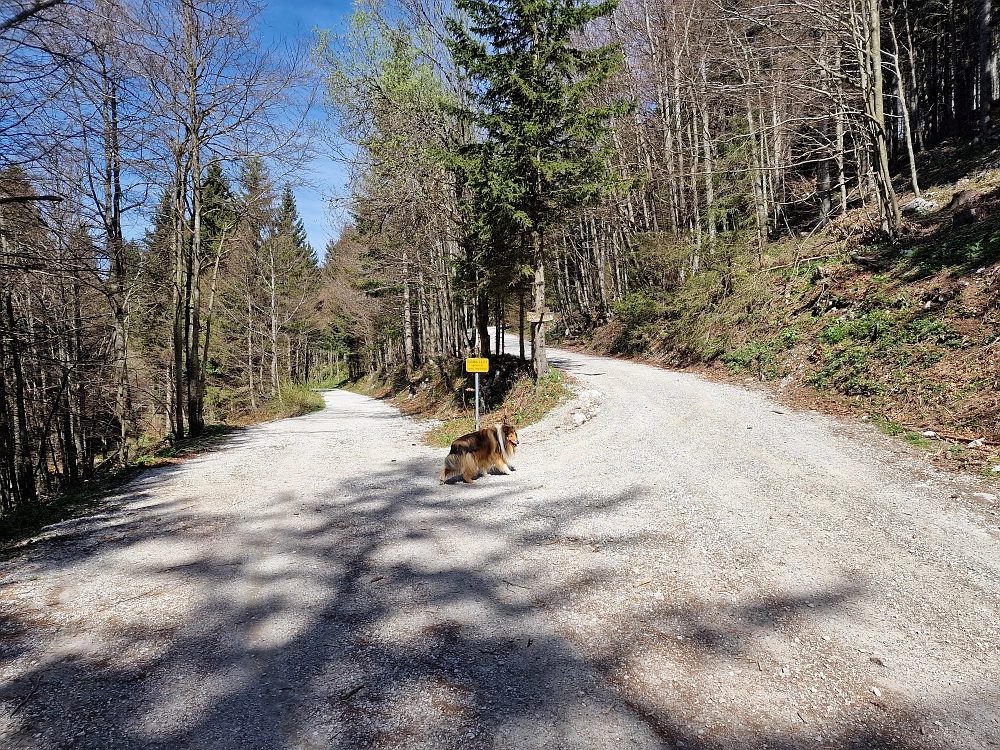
{"x": 511, "y": 163}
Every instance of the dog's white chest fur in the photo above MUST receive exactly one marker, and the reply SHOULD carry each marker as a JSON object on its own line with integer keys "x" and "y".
{"x": 503, "y": 446}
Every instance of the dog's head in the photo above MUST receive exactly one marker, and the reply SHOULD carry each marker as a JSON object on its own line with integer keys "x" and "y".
{"x": 510, "y": 436}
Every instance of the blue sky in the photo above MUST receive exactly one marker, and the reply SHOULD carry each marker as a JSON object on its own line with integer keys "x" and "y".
{"x": 293, "y": 19}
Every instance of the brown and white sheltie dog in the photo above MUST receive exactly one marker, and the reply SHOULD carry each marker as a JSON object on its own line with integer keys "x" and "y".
{"x": 478, "y": 452}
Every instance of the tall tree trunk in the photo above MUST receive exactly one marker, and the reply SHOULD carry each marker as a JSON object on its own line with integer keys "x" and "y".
{"x": 250, "y": 380}
{"x": 407, "y": 317}
{"x": 195, "y": 379}
{"x": 179, "y": 295}
{"x": 904, "y": 109}
{"x": 520, "y": 317}
{"x": 868, "y": 40}
{"x": 840, "y": 126}
{"x": 916, "y": 115}
{"x": 824, "y": 164}
{"x": 115, "y": 248}
{"x": 211, "y": 306}
{"x": 22, "y": 438}
{"x": 273, "y": 289}
{"x": 986, "y": 57}
{"x": 538, "y": 355}
{"x": 483, "y": 321}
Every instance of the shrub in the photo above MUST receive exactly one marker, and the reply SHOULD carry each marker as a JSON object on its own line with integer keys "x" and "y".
{"x": 632, "y": 315}
{"x": 756, "y": 355}
{"x": 637, "y": 309}
{"x": 295, "y": 399}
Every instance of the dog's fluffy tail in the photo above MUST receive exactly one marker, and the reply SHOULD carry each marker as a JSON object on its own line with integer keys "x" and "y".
{"x": 464, "y": 464}
{"x": 452, "y": 466}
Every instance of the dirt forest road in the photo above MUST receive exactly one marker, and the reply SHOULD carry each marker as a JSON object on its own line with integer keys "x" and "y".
{"x": 675, "y": 563}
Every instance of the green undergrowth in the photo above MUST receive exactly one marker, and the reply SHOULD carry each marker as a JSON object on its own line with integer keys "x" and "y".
{"x": 232, "y": 406}
{"x": 441, "y": 390}
{"x": 166, "y": 451}
{"x": 295, "y": 399}
{"x": 831, "y": 326}
{"x": 329, "y": 382}
{"x": 27, "y": 521}
{"x": 880, "y": 350}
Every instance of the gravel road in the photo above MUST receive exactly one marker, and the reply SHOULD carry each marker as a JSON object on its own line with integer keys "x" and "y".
{"x": 675, "y": 563}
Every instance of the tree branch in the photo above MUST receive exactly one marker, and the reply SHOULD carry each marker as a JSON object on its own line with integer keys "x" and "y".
{"x": 28, "y": 198}
{"x": 28, "y": 12}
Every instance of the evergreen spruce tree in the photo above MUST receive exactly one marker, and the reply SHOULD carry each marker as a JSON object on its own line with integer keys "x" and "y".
{"x": 218, "y": 206}
{"x": 545, "y": 145}
{"x": 295, "y": 257}
{"x": 290, "y": 224}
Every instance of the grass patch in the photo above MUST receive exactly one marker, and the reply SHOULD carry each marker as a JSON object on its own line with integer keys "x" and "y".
{"x": 25, "y": 522}
{"x": 915, "y": 438}
{"x": 887, "y": 426}
{"x": 296, "y": 399}
{"x": 964, "y": 249}
{"x": 756, "y": 356}
{"x": 442, "y": 435}
{"x": 526, "y": 402}
{"x": 442, "y": 390}
{"x": 329, "y": 383}
{"x": 186, "y": 448}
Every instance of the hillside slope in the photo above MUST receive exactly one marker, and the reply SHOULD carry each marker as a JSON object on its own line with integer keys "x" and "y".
{"x": 907, "y": 335}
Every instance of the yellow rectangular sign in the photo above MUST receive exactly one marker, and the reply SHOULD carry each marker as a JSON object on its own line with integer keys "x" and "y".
{"x": 477, "y": 364}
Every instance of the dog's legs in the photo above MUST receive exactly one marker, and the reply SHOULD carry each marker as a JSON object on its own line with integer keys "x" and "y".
{"x": 502, "y": 467}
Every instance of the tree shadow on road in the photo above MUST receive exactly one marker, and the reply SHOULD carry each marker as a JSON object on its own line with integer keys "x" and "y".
{"x": 350, "y": 619}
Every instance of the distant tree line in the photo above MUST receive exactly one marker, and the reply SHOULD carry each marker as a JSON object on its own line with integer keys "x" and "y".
{"x": 511, "y": 156}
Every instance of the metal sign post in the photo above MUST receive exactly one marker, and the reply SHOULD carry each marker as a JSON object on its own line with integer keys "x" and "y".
{"x": 477, "y": 365}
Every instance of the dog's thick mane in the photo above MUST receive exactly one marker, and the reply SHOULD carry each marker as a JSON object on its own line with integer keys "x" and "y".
{"x": 502, "y": 439}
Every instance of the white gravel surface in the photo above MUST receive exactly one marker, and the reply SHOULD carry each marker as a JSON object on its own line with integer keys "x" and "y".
{"x": 675, "y": 563}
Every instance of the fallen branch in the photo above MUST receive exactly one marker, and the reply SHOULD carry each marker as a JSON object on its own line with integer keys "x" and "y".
{"x": 27, "y": 698}
{"x": 515, "y": 585}
{"x": 799, "y": 262}
{"x": 352, "y": 692}
{"x": 28, "y": 198}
